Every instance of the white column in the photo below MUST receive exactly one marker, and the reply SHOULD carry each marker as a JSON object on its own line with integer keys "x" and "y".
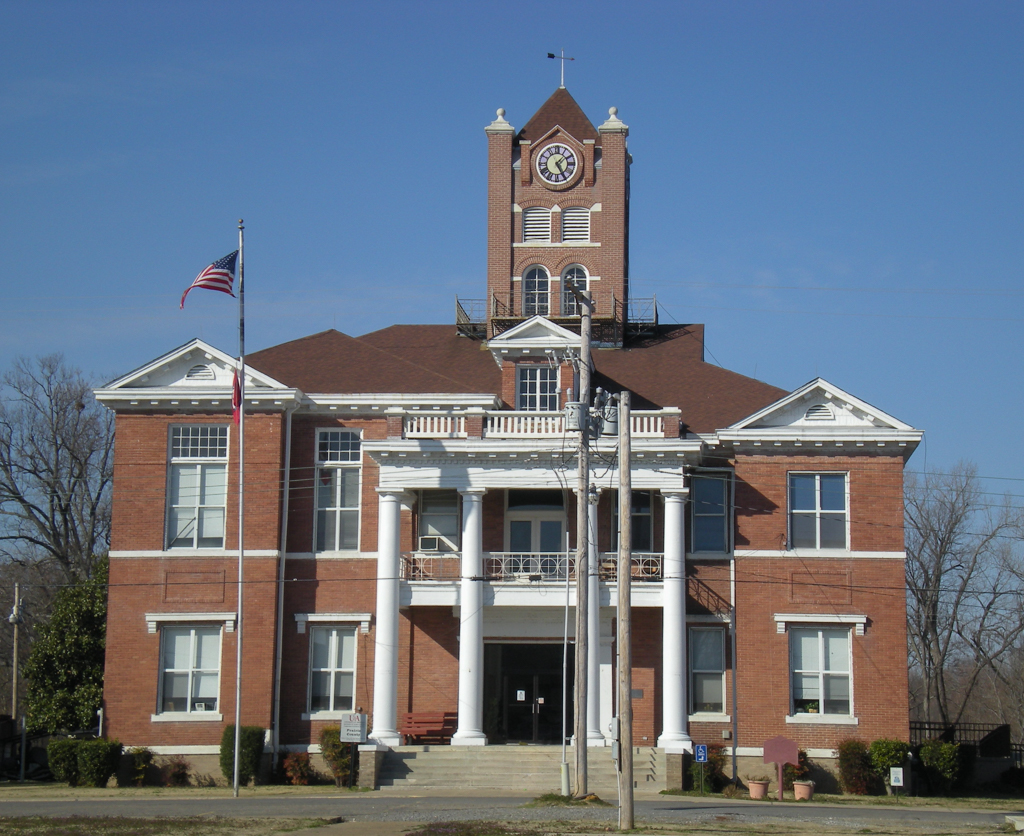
{"x": 595, "y": 735}
{"x": 385, "y": 657}
{"x": 674, "y": 703}
{"x": 471, "y": 624}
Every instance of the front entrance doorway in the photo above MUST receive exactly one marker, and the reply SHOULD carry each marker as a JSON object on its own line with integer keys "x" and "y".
{"x": 523, "y": 692}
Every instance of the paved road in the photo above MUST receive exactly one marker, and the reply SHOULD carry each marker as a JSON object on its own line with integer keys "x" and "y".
{"x": 393, "y": 807}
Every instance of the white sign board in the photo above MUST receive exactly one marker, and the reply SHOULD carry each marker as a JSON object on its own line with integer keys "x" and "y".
{"x": 896, "y": 776}
{"x": 353, "y": 728}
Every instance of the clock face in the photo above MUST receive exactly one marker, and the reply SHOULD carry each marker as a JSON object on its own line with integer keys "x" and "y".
{"x": 557, "y": 164}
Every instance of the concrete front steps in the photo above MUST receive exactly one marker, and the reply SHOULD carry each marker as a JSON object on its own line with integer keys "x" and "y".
{"x": 532, "y": 769}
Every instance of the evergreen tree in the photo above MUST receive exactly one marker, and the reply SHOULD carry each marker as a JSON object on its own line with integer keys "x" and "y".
{"x": 65, "y": 669}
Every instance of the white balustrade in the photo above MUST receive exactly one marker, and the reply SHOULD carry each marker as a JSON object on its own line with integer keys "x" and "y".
{"x": 646, "y": 425}
{"x": 524, "y": 424}
{"x": 435, "y": 426}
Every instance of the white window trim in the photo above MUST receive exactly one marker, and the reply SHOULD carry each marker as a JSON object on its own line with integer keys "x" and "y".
{"x": 152, "y": 620}
{"x": 340, "y": 620}
{"x": 709, "y": 716}
{"x": 523, "y": 372}
{"x": 782, "y": 619}
{"x": 202, "y": 461}
{"x": 790, "y": 512}
{"x": 730, "y": 520}
{"x": 320, "y": 464}
{"x": 155, "y": 618}
{"x": 361, "y": 618}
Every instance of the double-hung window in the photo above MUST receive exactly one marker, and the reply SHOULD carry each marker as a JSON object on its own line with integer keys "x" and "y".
{"x": 707, "y": 670}
{"x": 439, "y": 520}
{"x": 817, "y": 510}
{"x": 820, "y": 665}
{"x": 709, "y": 512}
{"x": 337, "y": 490}
{"x": 332, "y": 668}
{"x": 537, "y": 389}
{"x": 197, "y": 487}
{"x": 190, "y": 668}
{"x": 641, "y": 519}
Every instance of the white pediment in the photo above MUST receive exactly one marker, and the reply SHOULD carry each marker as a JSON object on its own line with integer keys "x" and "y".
{"x": 195, "y": 373}
{"x": 536, "y": 336}
{"x": 820, "y": 406}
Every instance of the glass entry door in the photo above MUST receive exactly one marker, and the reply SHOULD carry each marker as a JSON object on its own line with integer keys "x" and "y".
{"x": 524, "y": 682}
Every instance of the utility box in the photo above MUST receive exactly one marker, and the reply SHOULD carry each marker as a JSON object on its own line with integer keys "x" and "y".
{"x": 575, "y": 413}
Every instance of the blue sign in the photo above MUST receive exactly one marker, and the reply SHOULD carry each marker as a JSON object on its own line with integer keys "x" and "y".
{"x": 700, "y": 753}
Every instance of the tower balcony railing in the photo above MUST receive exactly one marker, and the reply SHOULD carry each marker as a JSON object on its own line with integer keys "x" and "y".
{"x": 526, "y": 566}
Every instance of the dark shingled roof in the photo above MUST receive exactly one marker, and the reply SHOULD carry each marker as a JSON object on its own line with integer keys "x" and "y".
{"x": 560, "y": 109}
{"x": 666, "y": 370}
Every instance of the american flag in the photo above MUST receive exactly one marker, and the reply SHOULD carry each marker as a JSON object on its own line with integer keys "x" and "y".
{"x": 218, "y": 276}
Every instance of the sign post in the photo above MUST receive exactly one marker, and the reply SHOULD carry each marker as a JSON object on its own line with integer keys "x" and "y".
{"x": 896, "y": 780}
{"x": 700, "y": 754}
{"x": 353, "y": 731}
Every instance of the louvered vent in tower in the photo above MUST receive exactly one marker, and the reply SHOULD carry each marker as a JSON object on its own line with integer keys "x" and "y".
{"x": 200, "y": 372}
{"x": 576, "y": 224}
{"x": 819, "y": 412}
{"x": 537, "y": 224}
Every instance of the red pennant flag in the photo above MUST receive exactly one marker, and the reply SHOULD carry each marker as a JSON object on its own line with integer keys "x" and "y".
{"x": 236, "y": 398}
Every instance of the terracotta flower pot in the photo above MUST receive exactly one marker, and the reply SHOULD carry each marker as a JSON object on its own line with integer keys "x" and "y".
{"x": 758, "y": 789}
{"x": 803, "y": 790}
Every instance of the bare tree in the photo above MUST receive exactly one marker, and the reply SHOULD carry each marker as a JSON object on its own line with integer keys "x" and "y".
{"x": 56, "y": 465}
{"x": 964, "y": 584}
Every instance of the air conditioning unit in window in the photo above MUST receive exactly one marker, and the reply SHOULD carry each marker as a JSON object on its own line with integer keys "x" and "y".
{"x": 430, "y": 544}
{"x": 202, "y": 706}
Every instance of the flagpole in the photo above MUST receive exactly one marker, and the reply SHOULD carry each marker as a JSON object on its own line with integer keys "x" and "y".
{"x": 241, "y": 494}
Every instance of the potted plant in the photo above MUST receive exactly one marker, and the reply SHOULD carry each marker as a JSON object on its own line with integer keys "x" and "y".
{"x": 758, "y": 787}
{"x": 811, "y": 707}
{"x": 803, "y": 790}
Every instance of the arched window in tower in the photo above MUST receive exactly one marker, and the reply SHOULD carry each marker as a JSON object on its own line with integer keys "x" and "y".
{"x": 537, "y": 224}
{"x": 536, "y": 285}
{"x": 573, "y": 276}
{"x": 576, "y": 224}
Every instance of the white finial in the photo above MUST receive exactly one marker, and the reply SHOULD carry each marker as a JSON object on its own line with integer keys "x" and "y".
{"x": 501, "y": 112}
{"x": 613, "y": 112}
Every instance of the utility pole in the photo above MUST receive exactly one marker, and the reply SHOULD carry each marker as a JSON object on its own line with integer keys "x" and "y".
{"x": 582, "y": 550}
{"x": 625, "y": 627}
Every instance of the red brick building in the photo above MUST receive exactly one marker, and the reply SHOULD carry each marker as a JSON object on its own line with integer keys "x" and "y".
{"x": 409, "y": 495}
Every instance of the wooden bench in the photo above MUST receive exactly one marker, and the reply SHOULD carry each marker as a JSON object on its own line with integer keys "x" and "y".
{"x": 429, "y": 726}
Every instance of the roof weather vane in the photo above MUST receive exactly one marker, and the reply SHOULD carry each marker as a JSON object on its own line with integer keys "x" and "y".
{"x": 563, "y": 59}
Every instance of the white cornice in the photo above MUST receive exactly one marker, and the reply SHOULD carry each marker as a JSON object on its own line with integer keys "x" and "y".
{"x": 425, "y": 401}
{"x": 193, "y": 399}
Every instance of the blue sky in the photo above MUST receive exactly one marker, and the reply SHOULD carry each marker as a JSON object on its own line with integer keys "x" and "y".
{"x": 834, "y": 188}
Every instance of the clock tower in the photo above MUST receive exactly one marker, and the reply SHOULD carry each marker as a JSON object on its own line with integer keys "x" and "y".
{"x": 558, "y": 214}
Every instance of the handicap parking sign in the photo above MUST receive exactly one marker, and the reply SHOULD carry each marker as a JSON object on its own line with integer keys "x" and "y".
{"x": 701, "y": 753}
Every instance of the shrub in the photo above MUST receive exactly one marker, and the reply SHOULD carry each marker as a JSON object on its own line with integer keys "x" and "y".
{"x": 97, "y": 761}
{"x": 298, "y": 768}
{"x": 176, "y": 771}
{"x": 141, "y": 760}
{"x": 63, "y": 759}
{"x": 1012, "y": 780}
{"x": 855, "y": 771}
{"x": 249, "y": 756}
{"x": 791, "y": 773}
{"x": 887, "y": 753}
{"x": 335, "y": 753}
{"x": 714, "y": 771}
{"x": 941, "y": 762}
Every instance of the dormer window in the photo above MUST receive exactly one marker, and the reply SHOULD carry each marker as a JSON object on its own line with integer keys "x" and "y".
{"x": 537, "y": 389}
{"x": 537, "y": 224}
